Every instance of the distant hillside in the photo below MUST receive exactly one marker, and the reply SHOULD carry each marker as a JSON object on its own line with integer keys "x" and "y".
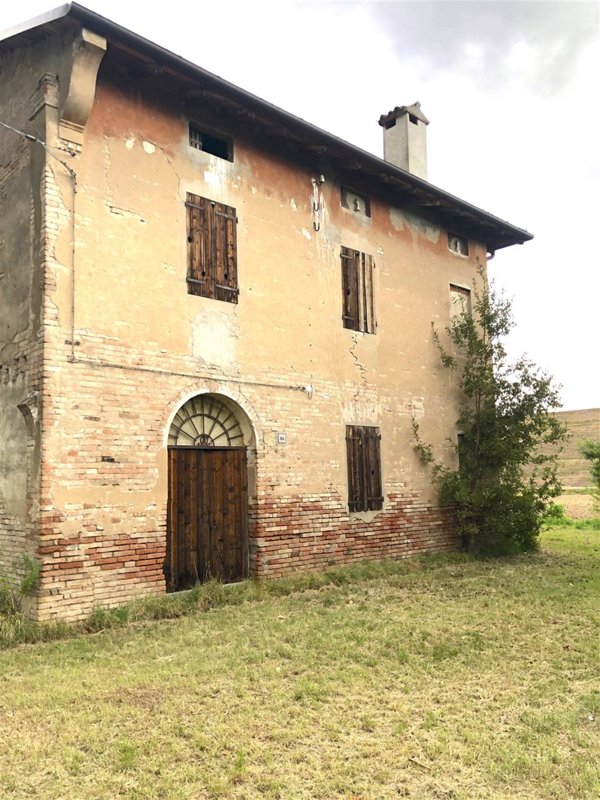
{"x": 573, "y": 469}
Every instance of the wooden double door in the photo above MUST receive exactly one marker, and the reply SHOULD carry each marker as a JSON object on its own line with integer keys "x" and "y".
{"x": 207, "y": 525}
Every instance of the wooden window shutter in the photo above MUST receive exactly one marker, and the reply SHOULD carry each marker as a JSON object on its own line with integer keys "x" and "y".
{"x": 364, "y": 468}
{"x": 198, "y": 279}
{"x": 354, "y": 458}
{"x": 374, "y": 497}
{"x": 350, "y": 288}
{"x": 357, "y": 290}
{"x": 367, "y": 317}
{"x": 212, "y": 249}
{"x": 226, "y": 287}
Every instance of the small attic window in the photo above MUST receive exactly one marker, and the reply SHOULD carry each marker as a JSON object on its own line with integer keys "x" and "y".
{"x": 458, "y": 244}
{"x": 211, "y": 143}
{"x": 413, "y": 119}
{"x": 460, "y": 300}
{"x": 357, "y": 203}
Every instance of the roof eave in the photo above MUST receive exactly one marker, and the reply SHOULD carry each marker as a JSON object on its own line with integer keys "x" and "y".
{"x": 496, "y": 233}
{"x": 36, "y": 22}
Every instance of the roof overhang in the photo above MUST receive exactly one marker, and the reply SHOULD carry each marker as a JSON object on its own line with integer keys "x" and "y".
{"x": 453, "y": 212}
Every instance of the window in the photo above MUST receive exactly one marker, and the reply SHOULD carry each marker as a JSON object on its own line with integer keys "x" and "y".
{"x": 460, "y": 300}
{"x": 205, "y": 421}
{"x": 211, "y": 143}
{"x": 212, "y": 249}
{"x": 364, "y": 468}
{"x": 458, "y": 244}
{"x": 358, "y": 309}
{"x": 358, "y": 203}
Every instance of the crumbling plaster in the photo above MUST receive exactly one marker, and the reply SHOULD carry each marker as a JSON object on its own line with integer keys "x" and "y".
{"x": 21, "y": 168}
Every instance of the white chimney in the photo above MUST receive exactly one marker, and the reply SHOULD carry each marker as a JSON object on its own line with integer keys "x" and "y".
{"x": 405, "y": 140}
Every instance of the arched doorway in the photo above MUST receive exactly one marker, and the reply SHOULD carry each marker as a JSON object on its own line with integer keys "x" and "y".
{"x": 207, "y": 524}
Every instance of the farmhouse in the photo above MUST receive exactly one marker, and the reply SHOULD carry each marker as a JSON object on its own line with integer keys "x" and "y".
{"x": 215, "y": 324}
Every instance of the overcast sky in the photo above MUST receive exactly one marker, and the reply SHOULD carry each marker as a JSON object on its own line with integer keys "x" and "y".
{"x": 512, "y": 94}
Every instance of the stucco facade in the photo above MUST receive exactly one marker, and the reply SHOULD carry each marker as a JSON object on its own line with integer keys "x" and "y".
{"x": 101, "y": 342}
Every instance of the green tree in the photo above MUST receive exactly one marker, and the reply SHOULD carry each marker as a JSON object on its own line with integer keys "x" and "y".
{"x": 508, "y": 440}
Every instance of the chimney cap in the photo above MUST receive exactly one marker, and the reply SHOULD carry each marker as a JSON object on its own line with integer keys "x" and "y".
{"x": 387, "y": 120}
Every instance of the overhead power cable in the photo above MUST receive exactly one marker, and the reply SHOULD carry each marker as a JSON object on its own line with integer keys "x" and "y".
{"x": 47, "y": 147}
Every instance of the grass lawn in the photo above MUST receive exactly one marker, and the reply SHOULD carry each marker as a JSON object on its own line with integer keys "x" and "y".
{"x": 441, "y": 678}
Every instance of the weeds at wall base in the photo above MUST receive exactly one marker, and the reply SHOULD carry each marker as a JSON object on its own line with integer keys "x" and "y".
{"x": 16, "y": 628}
{"x": 18, "y": 584}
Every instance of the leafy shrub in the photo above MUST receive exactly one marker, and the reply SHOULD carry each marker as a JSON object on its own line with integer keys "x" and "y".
{"x": 506, "y": 474}
{"x": 555, "y": 515}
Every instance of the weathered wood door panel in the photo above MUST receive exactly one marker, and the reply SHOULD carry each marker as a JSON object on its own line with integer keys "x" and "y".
{"x": 207, "y": 529}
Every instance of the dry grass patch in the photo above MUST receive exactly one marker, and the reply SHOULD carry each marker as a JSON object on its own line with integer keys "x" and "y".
{"x": 577, "y": 504}
{"x": 437, "y": 678}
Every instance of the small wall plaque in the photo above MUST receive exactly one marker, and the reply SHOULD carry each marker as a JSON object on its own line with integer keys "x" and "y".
{"x": 281, "y": 438}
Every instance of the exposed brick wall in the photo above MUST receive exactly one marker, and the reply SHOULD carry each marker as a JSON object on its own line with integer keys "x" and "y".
{"x": 287, "y": 535}
{"x": 102, "y": 530}
{"x": 12, "y": 543}
{"x": 97, "y": 567}
{"x": 107, "y": 566}
{"x": 313, "y": 532}
{"x": 104, "y": 494}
